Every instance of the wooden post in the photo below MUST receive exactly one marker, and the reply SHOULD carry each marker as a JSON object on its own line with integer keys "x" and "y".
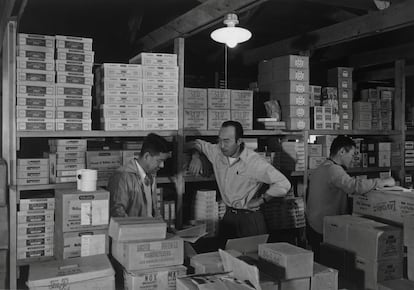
{"x": 179, "y": 182}
{"x": 399, "y": 108}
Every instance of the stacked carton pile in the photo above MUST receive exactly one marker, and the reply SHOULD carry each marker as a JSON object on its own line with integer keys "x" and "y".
{"x": 32, "y": 171}
{"x": 35, "y": 83}
{"x": 340, "y": 78}
{"x": 292, "y": 156}
{"x": 315, "y": 156}
{"x": 287, "y": 80}
{"x": 81, "y": 227}
{"x": 284, "y": 213}
{"x": 381, "y": 99}
{"x": 119, "y": 96}
{"x": 218, "y": 104}
{"x": 65, "y": 157}
{"x": 362, "y": 115}
{"x": 148, "y": 258}
{"x": 35, "y": 228}
{"x": 105, "y": 162}
{"x": 206, "y": 210}
{"x": 74, "y": 61}
{"x": 160, "y": 90}
{"x": 364, "y": 251}
{"x": 195, "y": 109}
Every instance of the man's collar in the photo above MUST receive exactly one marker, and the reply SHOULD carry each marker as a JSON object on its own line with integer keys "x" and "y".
{"x": 141, "y": 170}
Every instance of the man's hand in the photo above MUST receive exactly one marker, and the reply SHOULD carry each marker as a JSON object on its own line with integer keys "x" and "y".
{"x": 255, "y": 203}
{"x": 196, "y": 166}
{"x": 389, "y": 181}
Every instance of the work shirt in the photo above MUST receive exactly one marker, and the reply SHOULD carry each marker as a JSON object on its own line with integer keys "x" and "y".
{"x": 329, "y": 185}
{"x": 239, "y": 182}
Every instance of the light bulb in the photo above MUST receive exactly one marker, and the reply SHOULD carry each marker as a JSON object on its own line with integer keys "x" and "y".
{"x": 231, "y": 43}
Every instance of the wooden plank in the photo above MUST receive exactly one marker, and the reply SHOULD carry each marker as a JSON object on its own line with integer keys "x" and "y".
{"x": 381, "y": 56}
{"x": 6, "y": 8}
{"x": 399, "y": 108}
{"x": 203, "y": 14}
{"x": 355, "y": 4}
{"x": 179, "y": 180}
{"x": 381, "y": 74}
{"x": 395, "y": 17}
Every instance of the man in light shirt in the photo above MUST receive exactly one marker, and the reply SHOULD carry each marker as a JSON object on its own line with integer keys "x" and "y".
{"x": 329, "y": 186}
{"x": 132, "y": 187}
{"x": 240, "y": 172}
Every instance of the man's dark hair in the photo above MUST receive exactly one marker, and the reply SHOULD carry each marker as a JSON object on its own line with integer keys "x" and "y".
{"x": 154, "y": 144}
{"x": 237, "y": 127}
{"x": 341, "y": 142}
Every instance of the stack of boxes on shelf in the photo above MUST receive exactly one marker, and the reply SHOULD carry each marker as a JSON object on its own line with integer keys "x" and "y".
{"x": 32, "y": 171}
{"x": 381, "y": 104}
{"x": 341, "y": 80}
{"x": 285, "y": 213}
{"x": 74, "y": 61}
{"x": 82, "y": 220}
{"x": 290, "y": 156}
{"x": 35, "y": 228}
{"x": 4, "y": 226}
{"x": 65, "y": 158}
{"x": 35, "y": 83}
{"x": 168, "y": 209}
{"x": 322, "y": 116}
{"x": 408, "y": 162}
{"x": 148, "y": 258}
{"x": 206, "y": 210}
{"x": 315, "y": 156}
{"x": 287, "y": 80}
{"x": 362, "y": 115}
{"x": 119, "y": 96}
{"x": 105, "y": 162}
{"x": 160, "y": 82}
{"x": 207, "y": 109}
{"x": 364, "y": 251}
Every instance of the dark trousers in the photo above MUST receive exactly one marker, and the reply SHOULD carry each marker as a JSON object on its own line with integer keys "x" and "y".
{"x": 239, "y": 223}
{"x": 314, "y": 239}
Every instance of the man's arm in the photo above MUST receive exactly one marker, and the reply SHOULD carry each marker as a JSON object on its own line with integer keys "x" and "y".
{"x": 196, "y": 147}
{"x": 119, "y": 197}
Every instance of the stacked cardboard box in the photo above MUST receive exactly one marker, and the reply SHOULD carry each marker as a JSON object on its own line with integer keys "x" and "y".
{"x": 65, "y": 157}
{"x": 74, "y": 61}
{"x": 105, "y": 162}
{"x": 315, "y": 95}
{"x": 241, "y": 107}
{"x": 285, "y": 213}
{"x": 341, "y": 78}
{"x": 35, "y": 109}
{"x": 82, "y": 220}
{"x": 206, "y": 210}
{"x": 35, "y": 228}
{"x": 386, "y": 97}
{"x": 292, "y": 156}
{"x": 195, "y": 109}
{"x": 218, "y": 104}
{"x": 160, "y": 90}
{"x": 79, "y": 273}
{"x": 32, "y": 171}
{"x": 119, "y": 96}
{"x": 168, "y": 213}
{"x": 287, "y": 80}
{"x": 372, "y": 250}
{"x": 362, "y": 115}
{"x": 315, "y": 156}
{"x": 148, "y": 258}
{"x": 326, "y": 142}
{"x": 321, "y": 117}
{"x": 409, "y": 153}
{"x": 331, "y": 108}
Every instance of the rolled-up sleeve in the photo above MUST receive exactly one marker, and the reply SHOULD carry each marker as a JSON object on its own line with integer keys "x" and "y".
{"x": 207, "y": 148}
{"x": 348, "y": 184}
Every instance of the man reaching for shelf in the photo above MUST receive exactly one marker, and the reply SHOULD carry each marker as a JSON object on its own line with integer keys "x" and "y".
{"x": 132, "y": 187}
{"x": 239, "y": 172}
{"x": 329, "y": 186}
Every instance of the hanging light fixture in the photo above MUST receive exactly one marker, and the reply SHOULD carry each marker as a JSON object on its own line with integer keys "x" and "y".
{"x": 231, "y": 35}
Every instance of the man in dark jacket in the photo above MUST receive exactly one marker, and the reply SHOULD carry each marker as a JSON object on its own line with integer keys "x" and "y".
{"x": 132, "y": 187}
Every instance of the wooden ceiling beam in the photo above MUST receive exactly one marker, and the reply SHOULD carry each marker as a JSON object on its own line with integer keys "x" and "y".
{"x": 392, "y": 18}
{"x": 381, "y": 74}
{"x": 354, "y": 4}
{"x": 200, "y": 16}
{"x": 382, "y": 56}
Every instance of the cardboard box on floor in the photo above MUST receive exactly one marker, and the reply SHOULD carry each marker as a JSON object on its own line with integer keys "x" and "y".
{"x": 211, "y": 262}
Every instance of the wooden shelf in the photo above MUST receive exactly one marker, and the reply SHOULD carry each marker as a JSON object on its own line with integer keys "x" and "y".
{"x": 409, "y": 168}
{"x": 363, "y": 170}
{"x": 33, "y": 260}
{"x": 198, "y": 178}
{"x": 354, "y": 132}
{"x": 246, "y": 132}
{"x": 90, "y": 134}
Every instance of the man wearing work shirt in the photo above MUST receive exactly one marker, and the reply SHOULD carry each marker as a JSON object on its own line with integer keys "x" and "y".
{"x": 239, "y": 172}
{"x": 329, "y": 186}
